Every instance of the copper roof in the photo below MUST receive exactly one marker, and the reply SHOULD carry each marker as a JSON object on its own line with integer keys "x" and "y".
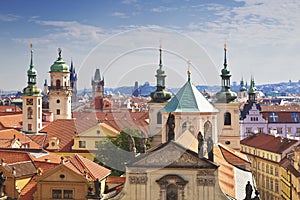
{"x": 268, "y": 142}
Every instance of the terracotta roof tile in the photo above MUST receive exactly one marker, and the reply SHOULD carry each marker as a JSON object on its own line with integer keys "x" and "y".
{"x": 10, "y": 109}
{"x": 93, "y": 169}
{"x": 22, "y": 169}
{"x": 269, "y": 142}
{"x": 9, "y": 135}
{"x": 64, "y": 130}
{"x": 11, "y": 121}
{"x": 38, "y": 138}
{"x": 10, "y": 156}
{"x": 233, "y": 157}
{"x": 29, "y": 189}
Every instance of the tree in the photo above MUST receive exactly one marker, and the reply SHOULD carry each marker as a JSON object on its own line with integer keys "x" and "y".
{"x": 114, "y": 153}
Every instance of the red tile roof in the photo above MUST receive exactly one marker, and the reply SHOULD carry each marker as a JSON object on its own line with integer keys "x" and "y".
{"x": 93, "y": 169}
{"x": 119, "y": 120}
{"x": 269, "y": 142}
{"x": 278, "y": 108}
{"x": 38, "y": 138}
{"x": 8, "y": 136}
{"x": 11, "y": 121}
{"x": 10, "y": 109}
{"x": 11, "y": 156}
{"x": 29, "y": 189}
{"x": 233, "y": 157}
{"x": 286, "y": 164}
{"x": 64, "y": 130}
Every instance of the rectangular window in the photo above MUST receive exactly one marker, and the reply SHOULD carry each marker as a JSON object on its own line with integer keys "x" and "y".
{"x": 56, "y": 194}
{"x": 68, "y": 194}
{"x": 97, "y": 144}
{"x": 297, "y": 130}
{"x": 58, "y": 111}
{"x": 289, "y": 129}
{"x": 295, "y": 117}
{"x": 279, "y": 130}
{"x": 39, "y": 101}
{"x": 273, "y": 117}
{"x": 29, "y": 127}
{"x": 248, "y": 130}
{"x": 82, "y": 144}
{"x": 260, "y": 129}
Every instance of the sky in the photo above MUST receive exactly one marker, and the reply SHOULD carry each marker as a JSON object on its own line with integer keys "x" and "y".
{"x": 122, "y": 39}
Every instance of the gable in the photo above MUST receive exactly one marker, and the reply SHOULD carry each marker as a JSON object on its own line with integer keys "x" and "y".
{"x": 172, "y": 155}
{"x": 61, "y": 173}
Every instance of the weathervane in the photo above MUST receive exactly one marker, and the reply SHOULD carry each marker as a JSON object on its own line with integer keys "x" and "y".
{"x": 189, "y": 71}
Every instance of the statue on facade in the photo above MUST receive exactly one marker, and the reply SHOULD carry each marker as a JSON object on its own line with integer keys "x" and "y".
{"x": 131, "y": 144}
{"x": 97, "y": 186}
{"x": 248, "y": 191}
{"x": 143, "y": 143}
{"x": 2, "y": 180}
{"x": 171, "y": 126}
{"x": 200, "y": 145}
{"x": 210, "y": 146}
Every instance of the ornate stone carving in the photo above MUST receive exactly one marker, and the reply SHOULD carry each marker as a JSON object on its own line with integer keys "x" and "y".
{"x": 137, "y": 179}
{"x": 206, "y": 178}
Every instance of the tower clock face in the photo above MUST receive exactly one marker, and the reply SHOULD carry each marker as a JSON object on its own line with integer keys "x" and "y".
{"x": 29, "y": 101}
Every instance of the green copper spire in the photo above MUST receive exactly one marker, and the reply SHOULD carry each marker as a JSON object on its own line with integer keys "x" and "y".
{"x": 31, "y": 89}
{"x": 242, "y": 86}
{"x": 160, "y": 95}
{"x": 252, "y": 91}
{"x": 225, "y": 95}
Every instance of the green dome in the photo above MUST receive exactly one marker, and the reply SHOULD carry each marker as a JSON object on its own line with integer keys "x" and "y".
{"x": 160, "y": 96}
{"x": 226, "y": 96}
{"x": 225, "y": 71}
{"x": 31, "y": 91}
{"x": 59, "y": 66}
{"x": 31, "y": 72}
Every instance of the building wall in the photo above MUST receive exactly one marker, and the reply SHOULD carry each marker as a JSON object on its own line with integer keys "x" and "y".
{"x": 271, "y": 180}
{"x": 36, "y": 119}
{"x": 228, "y": 134}
{"x": 145, "y": 185}
{"x": 155, "y": 125}
{"x": 194, "y": 122}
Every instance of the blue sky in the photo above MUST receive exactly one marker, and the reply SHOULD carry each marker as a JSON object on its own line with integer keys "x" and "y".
{"x": 122, "y": 39}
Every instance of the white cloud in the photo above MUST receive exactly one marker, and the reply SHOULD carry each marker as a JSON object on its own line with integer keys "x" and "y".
{"x": 120, "y": 15}
{"x": 9, "y": 17}
{"x": 163, "y": 9}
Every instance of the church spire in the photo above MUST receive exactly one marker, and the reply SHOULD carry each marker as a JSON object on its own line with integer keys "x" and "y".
{"x": 225, "y": 95}
{"x": 160, "y": 95}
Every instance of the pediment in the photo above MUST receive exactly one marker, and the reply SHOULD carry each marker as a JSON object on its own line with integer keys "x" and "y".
{"x": 172, "y": 155}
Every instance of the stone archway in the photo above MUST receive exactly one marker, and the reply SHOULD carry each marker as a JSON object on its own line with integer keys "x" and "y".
{"x": 171, "y": 187}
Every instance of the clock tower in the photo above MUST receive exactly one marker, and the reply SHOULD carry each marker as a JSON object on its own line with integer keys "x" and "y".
{"x": 32, "y": 102}
{"x": 60, "y": 90}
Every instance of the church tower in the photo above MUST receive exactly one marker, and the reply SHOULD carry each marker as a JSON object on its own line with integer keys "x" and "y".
{"x": 252, "y": 92}
{"x": 73, "y": 80}
{"x": 60, "y": 91}
{"x": 228, "y": 116}
{"x": 242, "y": 94}
{"x": 159, "y": 99}
{"x": 32, "y": 102}
{"x": 97, "y": 85}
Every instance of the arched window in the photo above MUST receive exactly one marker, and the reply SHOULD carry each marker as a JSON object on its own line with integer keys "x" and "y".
{"x": 29, "y": 113}
{"x": 172, "y": 192}
{"x": 57, "y": 83}
{"x": 207, "y": 130}
{"x": 159, "y": 118}
{"x": 227, "y": 118}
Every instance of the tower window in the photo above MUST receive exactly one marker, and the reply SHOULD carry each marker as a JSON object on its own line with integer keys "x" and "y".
{"x": 227, "y": 118}
{"x": 159, "y": 118}
{"x": 57, "y": 101}
{"x": 29, "y": 113}
{"x": 29, "y": 127}
{"x": 58, "y": 111}
{"x": 57, "y": 83}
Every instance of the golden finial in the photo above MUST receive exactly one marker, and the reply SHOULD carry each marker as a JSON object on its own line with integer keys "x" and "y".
{"x": 30, "y": 45}
{"x": 189, "y": 71}
{"x": 160, "y": 44}
{"x": 225, "y": 49}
